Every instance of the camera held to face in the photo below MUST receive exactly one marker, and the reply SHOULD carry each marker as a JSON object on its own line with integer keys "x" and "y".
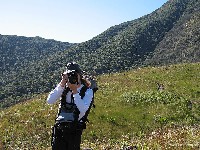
{"x": 73, "y": 77}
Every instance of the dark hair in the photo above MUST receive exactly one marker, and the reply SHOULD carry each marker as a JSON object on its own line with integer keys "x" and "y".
{"x": 73, "y": 66}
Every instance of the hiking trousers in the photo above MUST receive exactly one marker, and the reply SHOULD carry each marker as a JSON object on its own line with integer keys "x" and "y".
{"x": 64, "y": 139}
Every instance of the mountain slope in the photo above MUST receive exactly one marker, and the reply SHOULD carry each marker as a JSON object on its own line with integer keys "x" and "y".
{"x": 128, "y": 44}
{"x": 130, "y": 108}
{"x": 20, "y": 68}
{"x": 18, "y": 51}
{"x": 181, "y": 43}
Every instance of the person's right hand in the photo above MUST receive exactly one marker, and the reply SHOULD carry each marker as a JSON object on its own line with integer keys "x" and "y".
{"x": 64, "y": 79}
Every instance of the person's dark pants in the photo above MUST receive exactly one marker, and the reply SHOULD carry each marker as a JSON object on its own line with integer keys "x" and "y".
{"x": 65, "y": 139}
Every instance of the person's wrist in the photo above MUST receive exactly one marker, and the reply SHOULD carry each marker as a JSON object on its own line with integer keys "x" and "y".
{"x": 62, "y": 83}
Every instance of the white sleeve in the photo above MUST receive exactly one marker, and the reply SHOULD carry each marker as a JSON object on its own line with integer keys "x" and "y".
{"x": 55, "y": 94}
{"x": 83, "y": 104}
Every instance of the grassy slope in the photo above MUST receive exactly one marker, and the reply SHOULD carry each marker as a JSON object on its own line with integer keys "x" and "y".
{"x": 129, "y": 111}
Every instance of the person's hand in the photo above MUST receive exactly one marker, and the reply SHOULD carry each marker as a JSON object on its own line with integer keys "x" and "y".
{"x": 73, "y": 87}
{"x": 64, "y": 79}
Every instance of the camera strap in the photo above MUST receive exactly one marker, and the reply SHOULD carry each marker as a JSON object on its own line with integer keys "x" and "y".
{"x": 63, "y": 97}
{"x": 67, "y": 89}
{"x": 72, "y": 98}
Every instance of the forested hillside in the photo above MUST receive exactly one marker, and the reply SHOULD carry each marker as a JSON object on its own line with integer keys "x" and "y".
{"x": 21, "y": 74}
{"x": 129, "y": 44}
{"x": 168, "y": 35}
{"x": 182, "y": 42}
{"x": 19, "y": 51}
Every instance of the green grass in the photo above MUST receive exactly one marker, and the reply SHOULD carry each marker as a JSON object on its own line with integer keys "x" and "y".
{"x": 130, "y": 111}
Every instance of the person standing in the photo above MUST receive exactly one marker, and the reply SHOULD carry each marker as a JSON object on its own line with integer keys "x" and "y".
{"x": 75, "y": 99}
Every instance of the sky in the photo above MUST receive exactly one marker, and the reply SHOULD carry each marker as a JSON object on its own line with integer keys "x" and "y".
{"x": 71, "y": 21}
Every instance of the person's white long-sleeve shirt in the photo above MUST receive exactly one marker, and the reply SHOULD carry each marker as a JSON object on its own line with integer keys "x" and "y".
{"x": 82, "y": 104}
